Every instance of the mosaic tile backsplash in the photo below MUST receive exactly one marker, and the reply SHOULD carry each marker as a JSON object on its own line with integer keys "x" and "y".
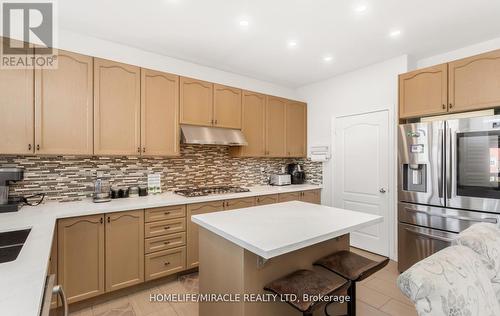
{"x": 71, "y": 178}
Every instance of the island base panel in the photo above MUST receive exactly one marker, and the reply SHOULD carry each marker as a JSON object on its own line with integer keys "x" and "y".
{"x": 227, "y": 268}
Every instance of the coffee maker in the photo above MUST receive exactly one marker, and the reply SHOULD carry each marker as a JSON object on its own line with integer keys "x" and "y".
{"x": 295, "y": 171}
{"x": 7, "y": 176}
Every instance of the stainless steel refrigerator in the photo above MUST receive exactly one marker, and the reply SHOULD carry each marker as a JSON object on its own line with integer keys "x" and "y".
{"x": 448, "y": 179}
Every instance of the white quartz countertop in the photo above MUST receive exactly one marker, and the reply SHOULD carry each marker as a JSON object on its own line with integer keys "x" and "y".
{"x": 22, "y": 281}
{"x": 276, "y": 229}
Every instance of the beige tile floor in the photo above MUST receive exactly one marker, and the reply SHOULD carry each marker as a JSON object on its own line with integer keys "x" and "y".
{"x": 377, "y": 296}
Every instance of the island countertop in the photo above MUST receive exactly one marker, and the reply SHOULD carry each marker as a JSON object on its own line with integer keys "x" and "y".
{"x": 273, "y": 230}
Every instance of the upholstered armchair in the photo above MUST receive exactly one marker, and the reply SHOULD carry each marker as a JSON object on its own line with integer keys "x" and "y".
{"x": 453, "y": 281}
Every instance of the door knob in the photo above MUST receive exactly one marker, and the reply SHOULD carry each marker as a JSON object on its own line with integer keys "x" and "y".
{"x": 382, "y": 190}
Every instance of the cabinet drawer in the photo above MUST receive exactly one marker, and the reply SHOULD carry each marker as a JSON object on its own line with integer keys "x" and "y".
{"x": 164, "y": 242}
{"x": 267, "y": 199}
{"x": 292, "y": 196}
{"x": 163, "y": 213}
{"x": 164, "y": 227}
{"x": 163, "y": 263}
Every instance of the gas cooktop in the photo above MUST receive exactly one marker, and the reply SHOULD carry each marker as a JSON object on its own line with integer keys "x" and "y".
{"x": 202, "y": 191}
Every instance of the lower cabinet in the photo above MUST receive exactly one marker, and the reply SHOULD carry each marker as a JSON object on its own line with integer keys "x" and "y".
{"x": 292, "y": 196}
{"x": 124, "y": 249}
{"x": 81, "y": 256}
{"x": 53, "y": 265}
{"x": 311, "y": 196}
{"x": 163, "y": 263}
{"x": 192, "y": 228}
{"x": 234, "y": 204}
{"x": 266, "y": 199}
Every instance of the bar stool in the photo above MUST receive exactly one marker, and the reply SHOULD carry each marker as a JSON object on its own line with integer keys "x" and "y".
{"x": 307, "y": 282}
{"x": 353, "y": 267}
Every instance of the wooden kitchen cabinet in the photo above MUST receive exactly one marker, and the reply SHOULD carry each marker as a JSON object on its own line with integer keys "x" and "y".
{"x": 423, "y": 92}
{"x": 192, "y": 229}
{"x": 117, "y": 108}
{"x": 474, "y": 82}
{"x": 124, "y": 249}
{"x": 196, "y": 102}
{"x": 64, "y": 106}
{"x": 159, "y": 113}
{"x": 81, "y": 256}
{"x": 266, "y": 199}
{"x": 17, "y": 110}
{"x": 311, "y": 196}
{"x": 275, "y": 127}
{"x": 227, "y": 107}
{"x": 296, "y": 129}
{"x": 234, "y": 204}
{"x": 291, "y": 196}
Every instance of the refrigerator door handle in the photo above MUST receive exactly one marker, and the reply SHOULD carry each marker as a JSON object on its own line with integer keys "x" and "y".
{"x": 429, "y": 236}
{"x": 440, "y": 163}
{"x": 449, "y": 164}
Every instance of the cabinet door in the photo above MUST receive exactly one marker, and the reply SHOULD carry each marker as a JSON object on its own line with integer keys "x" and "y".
{"x": 275, "y": 127}
{"x": 234, "y": 204}
{"x": 17, "y": 110}
{"x": 423, "y": 92}
{"x": 266, "y": 199}
{"x": 196, "y": 102}
{"x": 296, "y": 129}
{"x": 117, "y": 108}
{"x": 474, "y": 83}
{"x": 311, "y": 196}
{"x": 253, "y": 124}
{"x": 227, "y": 107}
{"x": 163, "y": 263}
{"x": 192, "y": 229}
{"x": 64, "y": 106}
{"x": 81, "y": 256}
{"x": 159, "y": 113}
{"x": 286, "y": 197}
{"x": 124, "y": 249}
{"x": 53, "y": 266}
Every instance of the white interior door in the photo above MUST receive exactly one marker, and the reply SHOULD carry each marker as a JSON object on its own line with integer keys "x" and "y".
{"x": 361, "y": 174}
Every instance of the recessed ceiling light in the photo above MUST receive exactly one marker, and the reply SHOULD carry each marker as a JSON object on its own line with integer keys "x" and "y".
{"x": 395, "y": 33}
{"x": 327, "y": 58}
{"x": 244, "y": 23}
{"x": 360, "y": 8}
{"x": 292, "y": 44}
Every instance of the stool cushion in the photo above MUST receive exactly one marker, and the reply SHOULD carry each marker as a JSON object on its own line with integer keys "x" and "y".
{"x": 307, "y": 282}
{"x": 351, "y": 265}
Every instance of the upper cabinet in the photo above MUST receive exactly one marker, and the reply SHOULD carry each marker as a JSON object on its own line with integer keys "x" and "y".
{"x": 474, "y": 82}
{"x": 227, "y": 107}
{"x": 296, "y": 129}
{"x": 196, "y": 102}
{"x": 275, "y": 127}
{"x": 423, "y": 92}
{"x": 64, "y": 106}
{"x": 159, "y": 113}
{"x": 117, "y": 104}
{"x": 17, "y": 110}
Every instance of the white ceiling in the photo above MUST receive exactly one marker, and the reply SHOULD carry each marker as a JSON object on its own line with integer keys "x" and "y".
{"x": 208, "y": 32}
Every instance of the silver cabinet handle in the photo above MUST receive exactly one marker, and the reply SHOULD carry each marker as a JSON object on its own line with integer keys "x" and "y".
{"x": 59, "y": 291}
{"x": 448, "y": 240}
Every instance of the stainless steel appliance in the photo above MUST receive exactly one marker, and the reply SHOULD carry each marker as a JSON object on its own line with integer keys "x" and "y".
{"x": 298, "y": 176}
{"x": 7, "y": 176}
{"x": 280, "y": 179}
{"x": 448, "y": 179}
{"x": 204, "y": 135}
{"x": 102, "y": 192}
{"x": 202, "y": 191}
{"x": 52, "y": 289}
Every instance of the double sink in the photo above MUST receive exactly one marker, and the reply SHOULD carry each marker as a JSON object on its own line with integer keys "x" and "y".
{"x": 11, "y": 244}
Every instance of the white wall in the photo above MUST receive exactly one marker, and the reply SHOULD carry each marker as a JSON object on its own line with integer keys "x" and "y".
{"x": 368, "y": 89}
{"x": 105, "y": 49}
{"x": 460, "y": 53}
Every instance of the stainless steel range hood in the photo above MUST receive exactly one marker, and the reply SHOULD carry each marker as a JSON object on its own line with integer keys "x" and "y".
{"x": 212, "y": 136}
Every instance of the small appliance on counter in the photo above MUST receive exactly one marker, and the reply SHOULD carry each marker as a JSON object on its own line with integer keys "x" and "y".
{"x": 298, "y": 176}
{"x": 101, "y": 191}
{"x": 280, "y": 179}
{"x": 7, "y": 176}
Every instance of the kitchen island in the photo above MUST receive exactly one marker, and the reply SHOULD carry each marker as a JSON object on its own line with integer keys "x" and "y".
{"x": 244, "y": 249}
